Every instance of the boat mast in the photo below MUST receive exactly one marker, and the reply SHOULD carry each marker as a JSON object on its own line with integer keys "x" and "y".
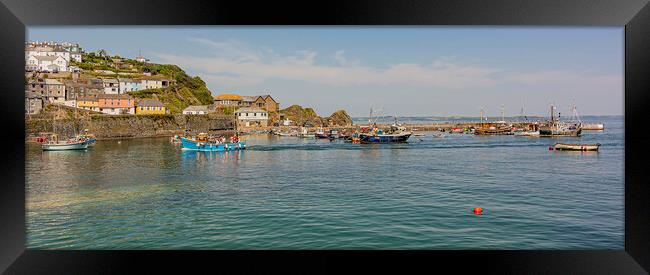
{"x": 575, "y": 113}
{"x": 503, "y": 113}
{"x": 552, "y": 113}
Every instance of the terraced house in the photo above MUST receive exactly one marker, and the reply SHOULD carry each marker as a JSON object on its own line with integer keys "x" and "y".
{"x": 33, "y": 103}
{"x": 265, "y": 102}
{"x": 111, "y": 86}
{"x": 115, "y": 104}
{"x": 129, "y": 85}
{"x": 149, "y": 106}
{"x": 51, "y": 90}
{"x": 154, "y": 83}
{"x": 90, "y": 103}
{"x": 77, "y": 88}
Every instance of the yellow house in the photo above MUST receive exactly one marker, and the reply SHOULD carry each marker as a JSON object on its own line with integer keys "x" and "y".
{"x": 88, "y": 103}
{"x": 148, "y": 106}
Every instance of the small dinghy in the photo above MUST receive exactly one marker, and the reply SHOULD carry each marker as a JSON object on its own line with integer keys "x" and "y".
{"x": 576, "y": 147}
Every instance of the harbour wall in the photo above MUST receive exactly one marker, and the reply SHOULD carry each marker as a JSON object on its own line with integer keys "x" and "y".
{"x": 132, "y": 126}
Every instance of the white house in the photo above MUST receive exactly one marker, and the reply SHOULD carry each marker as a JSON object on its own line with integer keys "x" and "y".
{"x": 196, "y": 110}
{"x": 154, "y": 83}
{"x": 111, "y": 86}
{"x": 251, "y": 117}
{"x": 47, "y": 51}
{"x": 46, "y": 63}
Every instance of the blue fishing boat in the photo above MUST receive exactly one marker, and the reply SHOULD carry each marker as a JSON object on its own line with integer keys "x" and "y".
{"x": 201, "y": 143}
{"x": 396, "y": 134}
{"x": 88, "y": 138}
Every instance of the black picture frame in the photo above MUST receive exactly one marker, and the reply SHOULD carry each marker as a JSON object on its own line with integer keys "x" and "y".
{"x": 634, "y": 15}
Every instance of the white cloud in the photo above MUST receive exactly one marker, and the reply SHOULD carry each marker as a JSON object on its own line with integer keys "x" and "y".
{"x": 236, "y": 64}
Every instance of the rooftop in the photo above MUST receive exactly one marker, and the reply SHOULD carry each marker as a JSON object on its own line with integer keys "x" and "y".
{"x": 228, "y": 97}
{"x": 29, "y": 94}
{"x": 86, "y": 98}
{"x": 149, "y": 102}
{"x": 113, "y": 96}
{"x": 109, "y": 80}
{"x": 47, "y": 58}
{"x": 249, "y": 98}
{"x": 128, "y": 80}
{"x": 197, "y": 108}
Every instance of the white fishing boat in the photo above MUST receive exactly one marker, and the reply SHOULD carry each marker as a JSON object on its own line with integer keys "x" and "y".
{"x": 557, "y": 128}
{"x": 55, "y": 145}
{"x": 305, "y": 134}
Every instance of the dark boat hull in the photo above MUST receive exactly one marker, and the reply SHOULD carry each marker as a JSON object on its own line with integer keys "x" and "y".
{"x": 384, "y": 138}
{"x": 547, "y": 132}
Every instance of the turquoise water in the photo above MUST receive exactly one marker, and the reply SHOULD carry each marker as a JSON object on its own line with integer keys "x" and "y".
{"x": 291, "y": 193}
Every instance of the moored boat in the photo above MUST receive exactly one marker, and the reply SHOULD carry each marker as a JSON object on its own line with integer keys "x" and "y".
{"x": 593, "y": 126}
{"x": 334, "y": 134}
{"x": 486, "y": 130}
{"x": 64, "y": 146}
{"x": 576, "y": 147}
{"x": 55, "y": 145}
{"x": 320, "y": 133}
{"x": 556, "y": 128}
{"x": 396, "y": 134}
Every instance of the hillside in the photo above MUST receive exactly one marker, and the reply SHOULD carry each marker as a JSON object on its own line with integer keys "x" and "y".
{"x": 183, "y": 91}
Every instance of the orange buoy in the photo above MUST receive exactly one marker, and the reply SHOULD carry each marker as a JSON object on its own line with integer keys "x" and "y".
{"x": 478, "y": 211}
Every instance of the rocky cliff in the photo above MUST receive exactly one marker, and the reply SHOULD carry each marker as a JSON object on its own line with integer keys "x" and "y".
{"x": 339, "y": 118}
{"x": 308, "y": 117}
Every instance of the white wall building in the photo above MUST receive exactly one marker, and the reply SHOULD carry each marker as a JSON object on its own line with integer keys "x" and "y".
{"x": 111, "y": 86}
{"x": 196, "y": 110}
{"x": 252, "y": 117}
{"x": 154, "y": 83}
{"x": 46, "y": 63}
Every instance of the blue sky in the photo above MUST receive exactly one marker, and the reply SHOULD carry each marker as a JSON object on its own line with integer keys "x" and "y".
{"x": 405, "y": 71}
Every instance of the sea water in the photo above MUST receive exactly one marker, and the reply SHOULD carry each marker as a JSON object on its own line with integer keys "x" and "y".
{"x": 293, "y": 193}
